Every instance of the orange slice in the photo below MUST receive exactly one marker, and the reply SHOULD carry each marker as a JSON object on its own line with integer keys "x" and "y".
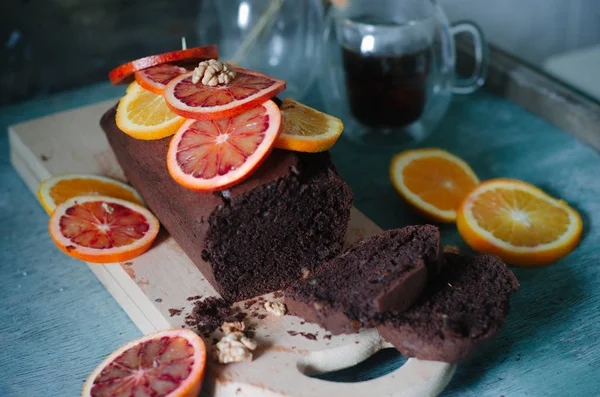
{"x": 306, "y": 129}
{"x": 59, "y": 188}
{"x": 432, "y": 181}
{"x": 142, "y": 114}
{"x": 208, "y": 155}
{"x": 197, "y": 101}
{"x": 519, "y": 223}
{"x": 156, "y": 78}
{"x": 167, "y": 363}
{"x": 122, "y": 74}
{"x": 102, "y": 229}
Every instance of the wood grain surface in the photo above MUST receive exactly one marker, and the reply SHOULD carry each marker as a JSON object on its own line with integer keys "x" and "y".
{"x": 58, "y": 321}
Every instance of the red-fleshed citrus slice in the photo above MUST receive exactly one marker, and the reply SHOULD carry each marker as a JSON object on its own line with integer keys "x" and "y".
{"x": 102, "y": 229}
{"x": 123, "y": 73}
{"x": 208, "y": 155}
{"x": 197, "y": 101}
{"x": 167, "y": 363}
{"x": 155, "y": 79}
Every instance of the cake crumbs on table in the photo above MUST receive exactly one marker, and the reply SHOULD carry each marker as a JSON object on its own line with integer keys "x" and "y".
{"x": 158, "y": 300}
{"x": 307, "y": 335}
{"x": 249, "y": 303}
{"x": 175, "y": 312}
{"x": 193, "y": 298}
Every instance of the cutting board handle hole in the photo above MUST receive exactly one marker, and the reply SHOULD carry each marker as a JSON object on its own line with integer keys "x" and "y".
{"x": 379, "y": 364}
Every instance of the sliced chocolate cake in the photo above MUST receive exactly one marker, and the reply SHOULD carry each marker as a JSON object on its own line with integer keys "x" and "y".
{"x": 384, "y": 272}
{"x": 286, "y": 219}
{"x": 462, "y": 308}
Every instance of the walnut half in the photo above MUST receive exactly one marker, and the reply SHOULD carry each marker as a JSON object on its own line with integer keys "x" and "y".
{"x": 279, "y": 309}
{"x": 235, "y": 347}
{"x": 213, "y": 73}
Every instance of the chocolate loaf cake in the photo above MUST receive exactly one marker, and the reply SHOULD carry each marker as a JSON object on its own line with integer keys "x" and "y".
{"x": 384, "y": 272}
{"x": 463, "y": 307}
{"x": 286, "y": 219}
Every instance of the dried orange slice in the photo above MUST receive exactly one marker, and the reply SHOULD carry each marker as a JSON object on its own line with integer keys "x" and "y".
{"x": 433, "y": 181}
{"x": 59, "y": 188}
{"x": 156, "y": 78}
{"x": 167, "y": 363}
{"x": 102, "y": 229}
{"x": 142, "y": 114}
{"x": 208, "y": 155}
{"x": 306, "y": 129}
{"x": 202, "y": 102}
{"x": 519, "y": 223}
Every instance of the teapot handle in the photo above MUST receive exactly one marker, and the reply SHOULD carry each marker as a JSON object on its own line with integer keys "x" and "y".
{"x": 480, "y": 51}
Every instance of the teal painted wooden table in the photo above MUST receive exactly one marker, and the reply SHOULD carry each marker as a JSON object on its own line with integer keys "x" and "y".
{"x": 57, "y": 321}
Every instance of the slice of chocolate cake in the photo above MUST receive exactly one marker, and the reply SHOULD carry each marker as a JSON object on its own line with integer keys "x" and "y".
{"x": 287, "y": 218}
{"x": 465, "y": 306}
{"x": 384, "y": 272}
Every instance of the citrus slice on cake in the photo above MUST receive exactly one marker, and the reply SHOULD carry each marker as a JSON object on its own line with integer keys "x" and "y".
{"x": 208, "y": 155}
{"x": 155, "y": 78}
{"x": 102, "y": 229}
{"x": 432, "y": 181}
{"x": 142, "y": 114}
{"x": 198, "y": 101}
{"x": 59, "y": 188}
{"x": 519, "y": 223}
{"x": 306, "y": 129}
{"x": 167, "y": 363}
{"x": 123, "y": 73}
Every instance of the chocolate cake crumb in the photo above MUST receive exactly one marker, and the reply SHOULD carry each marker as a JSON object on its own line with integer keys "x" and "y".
{"x": 240, "y": 316}
{"x": 44, "y": 157}
{"x": 248, "y": 304}
{"x": 262, "y": 316}
{"x": 194, "y": 298}
{"x": 158, "y": 300}
{"x": 278, "y": 294}
{"x": 208, "y": 314}
{"x": 328, "y": 336}
{"x": 175, "y": 312}
{"x": 309, "y": 336}
{"x": 302, "y": 322}
{"x": 128, "y": 264}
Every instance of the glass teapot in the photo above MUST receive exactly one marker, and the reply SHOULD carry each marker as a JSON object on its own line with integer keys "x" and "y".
{"x": 388, "y": 67}
{"x": 280, "y": 38}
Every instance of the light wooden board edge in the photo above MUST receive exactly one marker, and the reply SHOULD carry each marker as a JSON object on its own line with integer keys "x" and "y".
{"x": 414, "y": 378}
{"x": 547, "y": 97}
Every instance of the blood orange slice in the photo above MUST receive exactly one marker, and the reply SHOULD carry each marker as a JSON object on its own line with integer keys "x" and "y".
{"x": 163, "y": 364}
{"x": 122, "y": 74}
{"x": 208, "y": 155}
{"x": 202, "y": 102}
{"x": 155, "y": 79}
{"x": 102, "y": 229}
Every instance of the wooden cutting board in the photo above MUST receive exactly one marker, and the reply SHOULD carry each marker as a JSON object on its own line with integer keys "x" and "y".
{"x": 164, "y": 278}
